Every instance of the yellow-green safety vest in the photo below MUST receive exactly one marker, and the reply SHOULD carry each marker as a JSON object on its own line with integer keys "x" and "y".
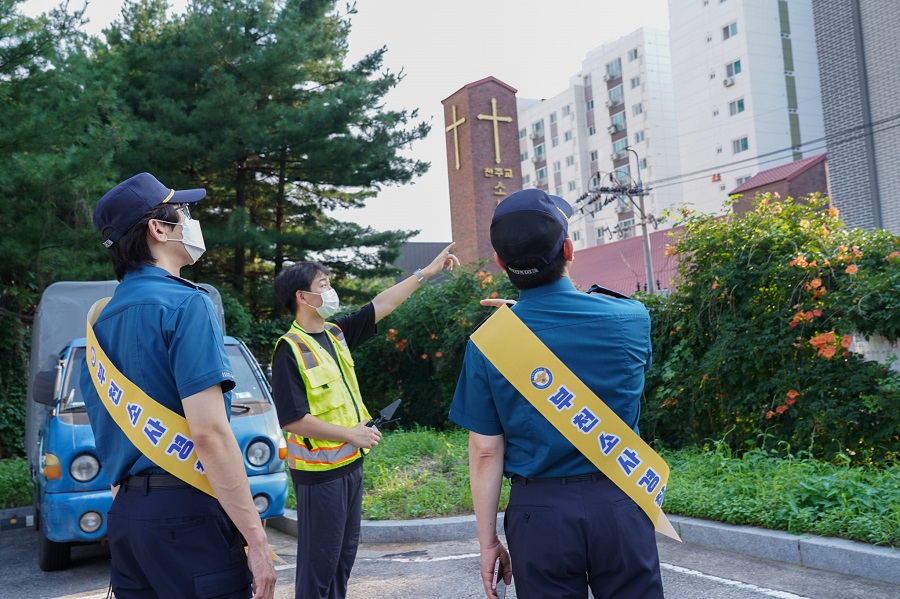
{"x": 333, "y": 394}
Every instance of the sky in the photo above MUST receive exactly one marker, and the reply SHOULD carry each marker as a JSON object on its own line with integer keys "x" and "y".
{"x": 440, "y": 46}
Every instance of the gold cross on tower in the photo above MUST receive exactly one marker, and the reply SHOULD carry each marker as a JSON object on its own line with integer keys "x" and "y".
{"x": 493, "y": 117}
{"x": 453, "y": 127}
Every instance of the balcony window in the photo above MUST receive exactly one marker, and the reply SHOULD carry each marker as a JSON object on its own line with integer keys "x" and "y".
{"x": 614, "y": 69}
{"x": 729, "y": 30}
{"x": 733, "y": 68}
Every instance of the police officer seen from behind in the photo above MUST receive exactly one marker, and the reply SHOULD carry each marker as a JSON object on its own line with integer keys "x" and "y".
{"x": 320, "y": 405}
{"x": 169, "y": 540}
{"x": 568, "y": 526}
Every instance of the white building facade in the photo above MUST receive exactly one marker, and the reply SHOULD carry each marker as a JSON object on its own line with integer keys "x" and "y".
{"x": 614, "y": 126}
{"x": 747, "y": 91}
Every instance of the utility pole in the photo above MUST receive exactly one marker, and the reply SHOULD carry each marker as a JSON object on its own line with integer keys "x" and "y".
{"x": 640, "y": 193}
{"x": 632, "y": 191}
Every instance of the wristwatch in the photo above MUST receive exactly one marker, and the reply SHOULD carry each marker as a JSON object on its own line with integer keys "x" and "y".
{"x": 419, "y": 275}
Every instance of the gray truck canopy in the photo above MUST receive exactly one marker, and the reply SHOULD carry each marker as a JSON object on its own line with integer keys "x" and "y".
{"x": 60, "y": 318}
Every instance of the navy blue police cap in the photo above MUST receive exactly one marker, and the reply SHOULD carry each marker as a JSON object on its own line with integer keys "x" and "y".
{"x": 126, "y": 203}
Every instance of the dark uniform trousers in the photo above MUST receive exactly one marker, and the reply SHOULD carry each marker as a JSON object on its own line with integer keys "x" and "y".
{"x": 328, "y": 525}
{"x": 174, "y": 542}
{"x": 559, "y": 529}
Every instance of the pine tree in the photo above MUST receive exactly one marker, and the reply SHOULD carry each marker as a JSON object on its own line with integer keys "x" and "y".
{"x": 252, "y": 100}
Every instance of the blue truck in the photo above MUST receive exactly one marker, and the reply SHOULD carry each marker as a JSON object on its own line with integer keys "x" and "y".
{"x": 71, "y": 490}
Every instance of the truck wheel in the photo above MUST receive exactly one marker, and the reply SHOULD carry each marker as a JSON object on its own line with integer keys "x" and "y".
{"x": 52, "y": 555}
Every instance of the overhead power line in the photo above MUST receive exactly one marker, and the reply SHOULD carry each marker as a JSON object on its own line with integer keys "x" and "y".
{"x": 836, "y": 139}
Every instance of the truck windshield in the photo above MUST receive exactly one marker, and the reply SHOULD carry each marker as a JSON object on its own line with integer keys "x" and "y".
{"x": 247, "y": 385}
{"x": 72, "y": 399}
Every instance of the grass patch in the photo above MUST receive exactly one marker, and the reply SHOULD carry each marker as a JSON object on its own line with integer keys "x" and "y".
{"x": 15, "y": 483}
{"x": 797, "y": 495}
{"x": 418, "y": 473}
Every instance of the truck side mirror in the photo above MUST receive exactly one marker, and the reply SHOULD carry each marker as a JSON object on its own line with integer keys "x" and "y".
{"x": 44, "y": 388}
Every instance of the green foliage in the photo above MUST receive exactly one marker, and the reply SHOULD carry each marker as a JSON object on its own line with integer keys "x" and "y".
{"x": 781, "y": 491}
{"x": 262, "y": 336}
{"x": 238, "y": 320}
{"x": 13, "y": 374}
{"x": 247, "y": 98}
{"x": 56, "y": 139}
{"x": 757, "y": 335}
{"x": 418, "y": 353}
{"x": 252, "y": 100}
{"x": 15, "y": 483}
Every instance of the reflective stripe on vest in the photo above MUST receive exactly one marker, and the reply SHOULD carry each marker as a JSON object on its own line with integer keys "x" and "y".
{"x": 323, "y": 378}
{"x": 309, "y": 358}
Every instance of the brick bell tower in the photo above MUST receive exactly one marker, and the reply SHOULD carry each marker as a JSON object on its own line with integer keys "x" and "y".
{"x": 481, "y": 132}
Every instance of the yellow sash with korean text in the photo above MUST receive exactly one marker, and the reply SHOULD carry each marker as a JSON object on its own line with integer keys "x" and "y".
{"x": 576, "y": 412}
{"x": 159, "y": 433}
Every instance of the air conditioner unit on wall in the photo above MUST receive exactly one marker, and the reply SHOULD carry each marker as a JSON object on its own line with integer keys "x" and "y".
{"x": 728, "y": 81}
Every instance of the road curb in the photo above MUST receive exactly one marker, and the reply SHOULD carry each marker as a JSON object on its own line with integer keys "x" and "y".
{"x": 424, "y": 530}
{"x": 820, "y": 553}
{"x": 16, "y": 517}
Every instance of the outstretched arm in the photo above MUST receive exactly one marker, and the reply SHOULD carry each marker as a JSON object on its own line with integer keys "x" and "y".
{"x": 388, "y": 300}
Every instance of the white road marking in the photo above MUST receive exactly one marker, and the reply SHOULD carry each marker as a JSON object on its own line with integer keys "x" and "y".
{"x": 717, "y": 579}
{"x": 733, "y": 583}
{"x": 413, "y": 560}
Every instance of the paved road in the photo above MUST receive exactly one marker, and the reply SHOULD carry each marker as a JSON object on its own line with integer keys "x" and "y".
{"x": 449, "y": 569}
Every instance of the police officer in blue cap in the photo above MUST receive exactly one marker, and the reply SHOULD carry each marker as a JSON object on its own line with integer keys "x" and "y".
{"x": 568, "y": 526}
{"x": 167, "y": 538}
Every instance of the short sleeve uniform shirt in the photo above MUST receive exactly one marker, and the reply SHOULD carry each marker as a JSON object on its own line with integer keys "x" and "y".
{"x": 162, "y": 333}
{"x": 604, "y": 341}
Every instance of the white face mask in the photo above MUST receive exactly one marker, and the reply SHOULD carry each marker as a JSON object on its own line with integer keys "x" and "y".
{"x": 330, "y": 303}
{"x": 191, "y": 237}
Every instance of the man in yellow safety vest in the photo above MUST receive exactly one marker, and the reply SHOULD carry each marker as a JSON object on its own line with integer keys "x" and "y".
{"x": 320, "y": 406}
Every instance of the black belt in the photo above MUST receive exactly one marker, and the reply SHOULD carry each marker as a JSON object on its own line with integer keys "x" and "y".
{"x": 583, "y": 478}
{"x": 155, "y": 481}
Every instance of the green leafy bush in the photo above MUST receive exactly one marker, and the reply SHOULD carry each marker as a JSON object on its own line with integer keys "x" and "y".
{"x": 15, "y": 483}
{"x": 418, "y": 353}
{"x": 13, "y": 376}
{"x": 757, "y": 335}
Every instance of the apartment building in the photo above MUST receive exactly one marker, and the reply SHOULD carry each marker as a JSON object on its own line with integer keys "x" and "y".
{"x": 613, "y": 126}
{"x": 747, "y": 93}
{"x": 858, "y": 45}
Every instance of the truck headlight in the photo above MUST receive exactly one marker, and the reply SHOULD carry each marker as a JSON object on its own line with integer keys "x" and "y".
{"x": 259, "y": 453}
{"x": 261, "y": 502}
{"x": 84, "y": 468}
{"x": 90, "y": 522}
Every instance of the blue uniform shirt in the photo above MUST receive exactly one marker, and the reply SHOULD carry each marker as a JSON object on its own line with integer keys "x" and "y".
{"x": 604, "y": 341}
{"x": 163, "y": 334}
